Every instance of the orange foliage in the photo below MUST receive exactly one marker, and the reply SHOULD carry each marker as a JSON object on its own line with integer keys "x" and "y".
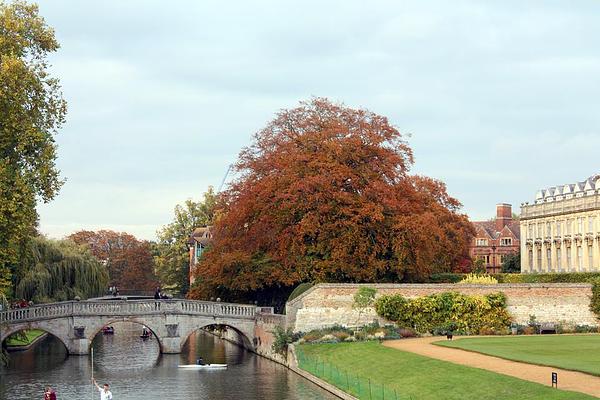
{"x": 324, "y": 194}
{"x": 129, "y": 260}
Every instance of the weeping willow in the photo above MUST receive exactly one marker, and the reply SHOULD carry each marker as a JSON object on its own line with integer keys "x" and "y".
{"x": 58, "y": 270}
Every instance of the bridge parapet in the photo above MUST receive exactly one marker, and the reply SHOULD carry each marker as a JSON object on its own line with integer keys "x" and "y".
{"x": 127, "y": 308}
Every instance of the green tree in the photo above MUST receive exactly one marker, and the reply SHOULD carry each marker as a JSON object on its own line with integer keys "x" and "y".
{"x": 58, "y": 270}
{"x": 172, "y": 259}
{"x": 31, "y": 111}
{"x": 512, "y": 263}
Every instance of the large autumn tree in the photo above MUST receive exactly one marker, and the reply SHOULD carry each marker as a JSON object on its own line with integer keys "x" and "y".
{"x": 31, "y": 111}
{"x": 129, "y": 261}
{"x": 324, "y": 194}
{"x": 172, "y": 254}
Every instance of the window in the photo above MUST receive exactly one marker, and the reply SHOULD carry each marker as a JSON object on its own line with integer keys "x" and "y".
{"x": 199, "y": 249}
{"x": 539, "y": 230}
{"x": 590, "y": 257}
{"x": 482, "y": 242}
{"x": 530, "y": 259}
{"x": 548, "y": 229}
{"x": 549, "y": 258}
{"x": 569, "y": 258}
{"x": 569, "y": 226}
{"x": 539, "y": 259}
{"x": 530, "y": 227}
{"x": 558, "y": 228}
{"x": 590, "y": 224}
{"x": 506, "y": 242}
{"x": 580, "y": 225}
{"x": 558, "y": 260}
{"x": 579, "y": 257}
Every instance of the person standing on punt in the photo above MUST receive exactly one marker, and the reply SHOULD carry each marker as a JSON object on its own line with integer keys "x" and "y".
{"x": 105, "y": 393}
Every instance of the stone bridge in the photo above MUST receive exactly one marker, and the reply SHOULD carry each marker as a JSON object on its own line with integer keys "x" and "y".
{"x": 76, "y": 323}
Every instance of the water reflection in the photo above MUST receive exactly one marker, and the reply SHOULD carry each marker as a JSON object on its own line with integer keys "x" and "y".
{"x": 136, "y": 370}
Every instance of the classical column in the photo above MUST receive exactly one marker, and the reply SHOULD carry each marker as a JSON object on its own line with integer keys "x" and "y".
{"x": 553, "y": 261}
{"x": 596, "y": 252}
{"x": 545, "y": 266}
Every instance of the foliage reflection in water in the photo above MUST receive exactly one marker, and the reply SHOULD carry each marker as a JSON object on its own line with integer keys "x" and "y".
{"x": 136, "y": 370}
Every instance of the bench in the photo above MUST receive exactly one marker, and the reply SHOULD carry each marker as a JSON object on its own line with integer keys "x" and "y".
{"x": 547, "y": 327}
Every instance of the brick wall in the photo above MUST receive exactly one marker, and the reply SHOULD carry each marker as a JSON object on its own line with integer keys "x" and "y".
{"x": 329, "y": 304}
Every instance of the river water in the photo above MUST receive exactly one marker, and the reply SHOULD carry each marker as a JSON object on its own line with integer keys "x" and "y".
{"x": 136, "y": 370}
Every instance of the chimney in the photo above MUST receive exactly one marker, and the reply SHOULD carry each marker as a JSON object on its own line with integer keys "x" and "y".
{"x": 503, "y": 215}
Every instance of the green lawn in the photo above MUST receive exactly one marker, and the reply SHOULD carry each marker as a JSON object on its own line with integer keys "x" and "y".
{"x": 414, "y": 376}
{"x": 574, "y": 352}
{"x": 30, "y": 336}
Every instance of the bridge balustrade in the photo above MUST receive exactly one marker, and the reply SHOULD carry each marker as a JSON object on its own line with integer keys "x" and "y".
{"x": 127, "y": 308}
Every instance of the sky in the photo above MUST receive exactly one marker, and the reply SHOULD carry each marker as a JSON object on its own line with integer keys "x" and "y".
{"x": 500, "y": 98}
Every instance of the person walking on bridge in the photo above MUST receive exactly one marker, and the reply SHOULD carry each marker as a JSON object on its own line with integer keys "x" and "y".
{"x": 105, "y": 393}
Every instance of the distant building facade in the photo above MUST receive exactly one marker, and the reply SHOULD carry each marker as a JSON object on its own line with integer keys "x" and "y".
{"x": 496, "y": 239}
{"x": 561, "y": 230}
{"x": 199, "y": 240}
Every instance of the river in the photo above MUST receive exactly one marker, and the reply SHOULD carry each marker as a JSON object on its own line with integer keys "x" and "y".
{"x": 136, "y": 370}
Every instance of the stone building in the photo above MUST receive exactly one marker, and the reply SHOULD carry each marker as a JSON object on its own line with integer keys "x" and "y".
{"x": 199, "y": 239}
{"x": 495, "y": 239}
{"x": 561, "y": 229}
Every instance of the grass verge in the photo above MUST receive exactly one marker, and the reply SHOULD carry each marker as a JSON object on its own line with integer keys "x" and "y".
{"x": 572, "y": 352}
{"x": 411, "y": 376}
{"x": 25, "y": 338}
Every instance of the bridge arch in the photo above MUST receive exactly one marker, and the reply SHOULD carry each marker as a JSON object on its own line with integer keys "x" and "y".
{"x": 97, "y": 328}
{"x": 40, "y": 325}
{"x": 243, "y": 333}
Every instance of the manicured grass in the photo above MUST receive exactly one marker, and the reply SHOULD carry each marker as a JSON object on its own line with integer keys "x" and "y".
{"x": 30, "y": 336}
{"x": 574, "y": 352}
{"x": 414, "y": 376}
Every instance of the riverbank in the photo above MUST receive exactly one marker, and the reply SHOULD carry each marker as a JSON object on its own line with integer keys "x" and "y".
{"x": 369, "y": 370}
{"x": 30, "y": 338}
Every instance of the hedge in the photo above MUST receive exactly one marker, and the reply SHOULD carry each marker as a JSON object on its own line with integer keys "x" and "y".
{"x": 569, "y": 277}
{"x": 466, "y": 314}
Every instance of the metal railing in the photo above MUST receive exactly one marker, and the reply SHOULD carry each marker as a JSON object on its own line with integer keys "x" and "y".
{"x": 359, "y": 386}
{"x": 127, "y": 308}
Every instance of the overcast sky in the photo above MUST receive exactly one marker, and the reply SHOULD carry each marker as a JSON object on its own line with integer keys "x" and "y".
{"x": 501, "y": 98}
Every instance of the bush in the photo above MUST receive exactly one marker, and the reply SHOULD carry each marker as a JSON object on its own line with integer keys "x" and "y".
{"x": 570, "y": 277}
{"x": 445, "y": 278}
{"x": 425, "y": 314}
{"x": 586, "y": 329}
{"x": 483, "y": 279}
{"x": 595, "y": 300}
{"x": 283, "y": 337}
{"x": 407, "y": 333}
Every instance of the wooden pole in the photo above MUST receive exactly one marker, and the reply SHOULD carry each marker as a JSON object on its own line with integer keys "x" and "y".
{"x": 93, "y": 386}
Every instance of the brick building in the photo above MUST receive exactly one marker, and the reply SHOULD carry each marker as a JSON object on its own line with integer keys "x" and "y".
{"x": 199, "y": 239}
{"x": 496, "y": 239}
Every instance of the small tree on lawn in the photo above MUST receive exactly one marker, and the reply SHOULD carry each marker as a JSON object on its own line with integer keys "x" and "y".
{"x": 363, "y": 299}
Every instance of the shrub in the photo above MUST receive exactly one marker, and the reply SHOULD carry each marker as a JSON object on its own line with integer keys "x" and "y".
{"x": 483, "y": 279}
{"x": 407, "y": 333}
{"x": 391, "y": 307}
{"x": 341, "y": 336}
{"x": 528, "y": 330}
{"x": 586, "y": 329}
{"x": 445, "y": 278}
{"x": 595, "y": 300}
{"x": 425, "y": 314}
{"x": 283, "y": 337}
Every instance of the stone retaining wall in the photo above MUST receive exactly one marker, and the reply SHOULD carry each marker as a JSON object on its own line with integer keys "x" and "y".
{"x": 329, "y": 304}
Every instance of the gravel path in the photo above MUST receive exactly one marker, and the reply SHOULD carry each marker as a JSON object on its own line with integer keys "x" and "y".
{"x": 567, "y": 380}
